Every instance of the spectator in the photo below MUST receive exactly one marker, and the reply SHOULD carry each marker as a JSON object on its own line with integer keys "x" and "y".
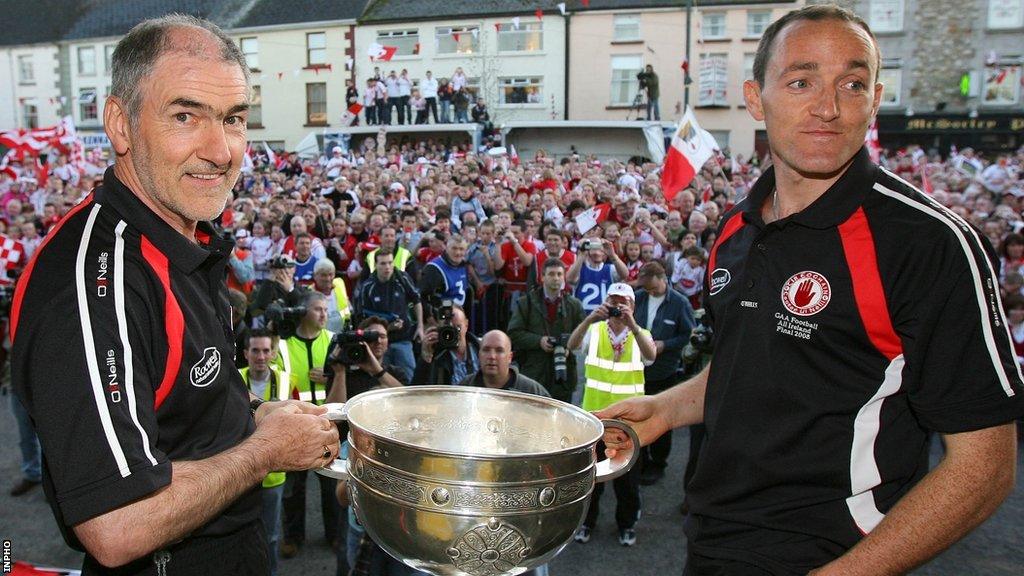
{"x": 592, "y": 274}
{"x": 390, "y": 294}
{"x": 305, "y": 261}
{"x": 404, "y": 94}
{"x": 447, "y": 276}
{"x": 429, "y": 88}
{"x": 444, "y": 95}
{"x": 448, "y": 363}
{"x": 542, "y": 322}
{"x": 327, "y": 283}
{"x": 461, "y": 100}
{"x": 419, "y": 104}
{"x": 516, "y": 256}
{"x": 370, "y": 102}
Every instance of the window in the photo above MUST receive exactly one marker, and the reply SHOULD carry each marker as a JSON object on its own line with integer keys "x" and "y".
{"x": 1005, "y": 14}
{"x": 627, "y": 27}
{"x": 108, "y": 58}
{"x": 316, "y": 103}
{"x": 528, "y": 38}
{"x": 87, "y": 104}
{"x": 473, "y": 87}
{"x": 26, "y": 73}
{"x": 316, "y": 49}
{"x": 886, "y": 15}
{"x": 1002, "y": 84}
{"x": 87, "y": 61}
{"x": 624, "y": 82}
{"x": 521, "y": 90}
{"x": 891, "y": 81}
{"x": 29, "y": 116}
{"x": 256, "y": 107}
{"x": 713, "y": 26}
{"x": 748, "y": 66}
{"x": 458, "y": 40}
{"x": 251, "y": 49}
{"x": 407, "y": 41}
{"x": 757, "y": 22}
{"x": 713, "y": 80}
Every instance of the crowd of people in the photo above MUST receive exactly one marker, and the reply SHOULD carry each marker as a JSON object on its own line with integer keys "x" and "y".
{"x": 395, "y": 98}
{"x": 404, "y": 238}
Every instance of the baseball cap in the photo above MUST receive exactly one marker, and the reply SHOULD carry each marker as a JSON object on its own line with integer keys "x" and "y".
{"x": 621, "y": 289}
{"x": 651, "y": 269}
{"x": 241, "y": 233}
{"x": 336, "y": 150}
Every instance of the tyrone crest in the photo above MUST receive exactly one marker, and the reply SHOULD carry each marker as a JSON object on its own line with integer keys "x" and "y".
{"x": 806, "y": 293}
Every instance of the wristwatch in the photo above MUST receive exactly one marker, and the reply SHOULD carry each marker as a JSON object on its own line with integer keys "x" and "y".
{"x": 378, "y": 374}
{"x": 254, "y": 405}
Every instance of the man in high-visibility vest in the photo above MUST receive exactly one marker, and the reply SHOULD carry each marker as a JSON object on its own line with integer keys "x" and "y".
{"x": 617, "y": 349}
{"x": 269, "y": 383}
{"x": 304, "y": 357}
{"x": 388, "y": 241}
{"x": 327, "y": 283}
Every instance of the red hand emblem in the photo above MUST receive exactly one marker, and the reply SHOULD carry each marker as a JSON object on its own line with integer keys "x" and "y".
{"x": 804, "y": 294}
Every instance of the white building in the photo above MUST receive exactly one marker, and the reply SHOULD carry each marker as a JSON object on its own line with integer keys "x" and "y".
{"x": 513, "y": 59}
{"x": 29, "y": 86}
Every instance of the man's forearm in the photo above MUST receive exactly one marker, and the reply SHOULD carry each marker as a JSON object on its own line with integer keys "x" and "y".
{"x": 967, "y": 486}
{"x": 685, "y": 401}
{"x": 576, "y": 338}
{"x": 199, "y": 490}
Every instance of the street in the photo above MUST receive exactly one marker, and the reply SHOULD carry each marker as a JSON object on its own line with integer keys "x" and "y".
{"x": 993, "y": 549}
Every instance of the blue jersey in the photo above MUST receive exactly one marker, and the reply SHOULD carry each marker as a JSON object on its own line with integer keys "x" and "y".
{"x": 593, "y": 286}
{"x": 304, "y": 272}
{"x": 456, "y": 280}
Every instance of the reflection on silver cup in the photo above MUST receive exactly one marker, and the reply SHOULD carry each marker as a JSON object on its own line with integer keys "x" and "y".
{"x": 469, "y": 481}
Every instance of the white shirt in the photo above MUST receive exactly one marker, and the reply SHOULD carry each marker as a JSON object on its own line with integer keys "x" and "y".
{"x": 404, "y": 86}
{"x": 458, "y": 81}
{"x": 428, "y": 87}
{"x": 653, "y": 303}
{"x": 392, "y": 84}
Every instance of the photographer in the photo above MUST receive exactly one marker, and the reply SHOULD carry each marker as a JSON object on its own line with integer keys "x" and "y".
{"x": 617, "y": 351}
{"x": 369, "y": 370}
{"x": 389, "y": 294}
{"x": 649, "y": 81}
{"x": 449, "y": 352}
{"x": 593, "y": 273}
{"x": 669, "y": 317}
{"x": 541, "y": 322}
{"x": 304, "y": 357}
{"x": 279, "y": 287}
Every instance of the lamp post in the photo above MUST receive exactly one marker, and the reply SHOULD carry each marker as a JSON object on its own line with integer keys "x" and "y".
{"x": 686, "y": 69}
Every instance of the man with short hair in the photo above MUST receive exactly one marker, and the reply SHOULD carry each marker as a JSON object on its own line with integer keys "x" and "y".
{"x": 447, "y": 365}
{"x": 388, "y": 241}
{"x": 540, "y": 321}
{"x": 496, "y": 371}
{"x": 669, "y": 317}
{"x": 428, "y": 87}
{"x": 304, "y": 357}
{"x": 160, "y": 470}
{"x": 853, "y": 317}
{"x": 592, "y": 273}
{"x": 305, "y": 261}
{"x": 390, "y": 294}
{"x": 448, "y": 275}
{"x": 514, "y": 261}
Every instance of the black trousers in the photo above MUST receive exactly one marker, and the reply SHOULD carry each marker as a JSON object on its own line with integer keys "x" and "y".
{"x": 432, "y": 107}
{"x": 655, "y": 455}
{"x": 293, "y": 507}
{"x": 383, "y": 112}
{"x": 371, "y": 114}
{"x": 627, "y": 498}
{"x": 697, "y": 565}
{"x": 242, "y": 552}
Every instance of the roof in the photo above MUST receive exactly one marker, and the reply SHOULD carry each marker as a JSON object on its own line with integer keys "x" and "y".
{"x": 23, "y": 23}
{"x": 273, "y": 12}
{"x": 105, "y": 18}
{"x": 407, "y": 10}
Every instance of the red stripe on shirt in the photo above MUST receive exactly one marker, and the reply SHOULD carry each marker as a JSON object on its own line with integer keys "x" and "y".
{"x": 731, "y": 227}
{"x": 174, "y": 321}
{"x": 859, "y": 247}
{"x": 19, "y": 291}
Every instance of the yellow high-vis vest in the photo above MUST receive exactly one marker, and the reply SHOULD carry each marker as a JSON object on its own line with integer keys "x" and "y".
{"x": 292, "y": 358}
{"x": 277, "y": 389}
{"x": 608, "y": 380}
{"x": 402, "y": 257}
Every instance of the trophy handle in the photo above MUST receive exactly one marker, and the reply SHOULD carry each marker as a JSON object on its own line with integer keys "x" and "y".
{"x": 612, "y": 468}
{"x": 336, "y": 412}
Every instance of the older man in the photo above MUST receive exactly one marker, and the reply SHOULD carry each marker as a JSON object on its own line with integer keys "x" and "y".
{"x": 160, "y": 471}
{"x": 853, "y": 317}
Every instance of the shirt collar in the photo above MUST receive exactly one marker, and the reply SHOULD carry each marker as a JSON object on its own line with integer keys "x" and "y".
{"x": 832, "y": 208}
{"x": 180, "y": 251}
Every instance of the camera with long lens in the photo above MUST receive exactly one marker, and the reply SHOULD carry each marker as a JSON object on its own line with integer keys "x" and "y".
{"x": 284, "y": 319}
{"x": 348, "y": 346}
{"x": 447, "y": 332}
{"x": 559, "y": 354}
{"x": 702, "y": 339}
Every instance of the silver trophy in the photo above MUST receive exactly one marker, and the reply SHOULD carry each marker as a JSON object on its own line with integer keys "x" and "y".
{"x": 461, "y": 481}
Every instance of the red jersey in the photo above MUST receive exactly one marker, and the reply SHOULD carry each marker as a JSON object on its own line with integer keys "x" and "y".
{"x": 514, "y": 271}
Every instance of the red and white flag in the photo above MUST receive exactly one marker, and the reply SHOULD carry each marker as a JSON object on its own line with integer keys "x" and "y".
{"x": 871, "y": 141}
{"x": 513, "y": 155}
{"x": 589, "y": 218}
{"x": 351, "y": 115}
{"x": 378, "y": 52}
{"x": 247, "y": 163}
{"x": 11, "y": 253}
{"x": 271, "y": 157}
{"x": 691, "y": 148}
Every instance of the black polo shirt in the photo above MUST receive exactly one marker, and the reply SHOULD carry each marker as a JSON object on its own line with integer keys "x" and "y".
{"x": 844, "y": 334}
{"x": 123, "y": 355}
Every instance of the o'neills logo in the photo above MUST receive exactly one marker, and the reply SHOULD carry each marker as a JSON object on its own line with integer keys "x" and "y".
{"x": 719, "y": 278}
{"x": 806, "y": 293}
{"x": 204, "y": 372}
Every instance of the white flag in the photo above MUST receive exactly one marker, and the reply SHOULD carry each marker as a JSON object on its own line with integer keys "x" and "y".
{"x": 561, "y": 8}
{"x": 691, "y": 148}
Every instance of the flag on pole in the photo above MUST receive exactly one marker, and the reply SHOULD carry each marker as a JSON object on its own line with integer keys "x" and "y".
{"x": 592, "y": 217}
{"x": 513, "y": 155}
{"x": 691, "y": 147}
{"x": 871, "y": 140}
{"x": 381, "y": 53}
{"x": 561, "y": 8}
{"x": 271, "y": 157}
{"x": 247, "y": 164}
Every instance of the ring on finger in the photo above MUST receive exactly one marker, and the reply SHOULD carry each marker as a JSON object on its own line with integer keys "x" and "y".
{"x": 327, "y": 452}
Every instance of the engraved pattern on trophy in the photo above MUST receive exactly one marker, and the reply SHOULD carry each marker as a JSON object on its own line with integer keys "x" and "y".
{"x": 510, "y": 500}
{"x": 394, "y": 485}
{"x": 489, "y": 549}
{"x": 573, "y": 490}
